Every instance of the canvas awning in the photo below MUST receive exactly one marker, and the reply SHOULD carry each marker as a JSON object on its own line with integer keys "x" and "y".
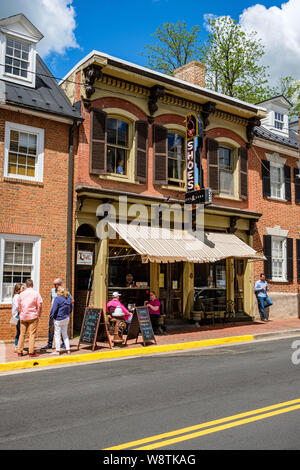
{"x": 162, "y": 245}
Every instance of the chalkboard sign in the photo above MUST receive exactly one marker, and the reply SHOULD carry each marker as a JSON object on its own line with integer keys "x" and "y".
{"x": 141, "y": 322}
{"x": 94, "y": 327}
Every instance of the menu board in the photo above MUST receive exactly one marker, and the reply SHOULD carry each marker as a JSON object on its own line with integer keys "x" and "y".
{"x": 93, "y": 324}
{"x": 141, "y": 322}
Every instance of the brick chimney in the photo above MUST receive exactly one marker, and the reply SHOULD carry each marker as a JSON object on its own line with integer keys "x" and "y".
{"x": 193, "y": 72}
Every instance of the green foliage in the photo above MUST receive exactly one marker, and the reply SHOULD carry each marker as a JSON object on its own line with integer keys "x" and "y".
{"x": 175, "y": 46}
{"x": 290, "y": 89}
{"x": 233, "y": 61}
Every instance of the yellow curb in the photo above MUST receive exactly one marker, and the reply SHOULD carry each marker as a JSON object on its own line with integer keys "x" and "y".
{"x": 114, "y": 354}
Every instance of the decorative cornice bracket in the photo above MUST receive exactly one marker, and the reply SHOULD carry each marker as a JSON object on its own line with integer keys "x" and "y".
{"x": 253, "y": 122}
{"x": 91, "y": 73}
{"x": 156, "y": 92}
{"x": 207, "y": 109}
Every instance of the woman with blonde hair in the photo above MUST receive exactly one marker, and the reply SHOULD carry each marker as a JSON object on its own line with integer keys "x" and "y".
{"x": 15, "y": 311}
{"x": 60, "y": 312}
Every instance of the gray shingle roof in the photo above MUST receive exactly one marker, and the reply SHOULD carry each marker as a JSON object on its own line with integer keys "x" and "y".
{"x": 291, "y": 141}
{"x": 47, "y": 96}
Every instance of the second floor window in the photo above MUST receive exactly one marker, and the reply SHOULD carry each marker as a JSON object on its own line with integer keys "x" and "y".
{"x": 117, "y": 146}
{"x": 277, "y": 181}
{"x": 176, "y": 159}
{"x": 278, "y": 258}
{"x": 226, "y": 168}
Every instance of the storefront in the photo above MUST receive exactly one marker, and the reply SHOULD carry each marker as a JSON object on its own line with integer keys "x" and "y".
{"x": 135, "y": 262}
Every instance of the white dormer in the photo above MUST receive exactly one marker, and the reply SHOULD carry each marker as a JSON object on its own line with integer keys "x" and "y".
{"x": 278, "y": 115}
{"x": 18, "y": 39}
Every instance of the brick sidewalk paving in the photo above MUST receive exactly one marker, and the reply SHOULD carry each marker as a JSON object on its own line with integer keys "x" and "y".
{"x": 171, "y": 337}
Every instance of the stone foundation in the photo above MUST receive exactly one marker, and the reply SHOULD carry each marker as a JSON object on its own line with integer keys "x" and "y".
{"x": 284, "y": 306}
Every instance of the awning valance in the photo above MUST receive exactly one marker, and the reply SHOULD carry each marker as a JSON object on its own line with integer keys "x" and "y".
{"x": 162, "y": 245}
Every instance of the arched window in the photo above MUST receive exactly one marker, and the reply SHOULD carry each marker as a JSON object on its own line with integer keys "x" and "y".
{"x": 85, "y": 230}
{"x": 117, "y": 146}
{"x": 176, "y": 159}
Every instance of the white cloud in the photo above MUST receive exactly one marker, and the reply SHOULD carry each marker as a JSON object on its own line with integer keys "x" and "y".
{"x": 280, "y": 32}
{"x": 55, "y": 19}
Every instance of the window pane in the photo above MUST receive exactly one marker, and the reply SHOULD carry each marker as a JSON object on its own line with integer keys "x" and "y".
{"x": 12, "y": 169}
{"x": 226, "y": 182}
{"x": 122, "y": 133}
{"x": 112, "y": 131}
{"x": 111, "y": 160}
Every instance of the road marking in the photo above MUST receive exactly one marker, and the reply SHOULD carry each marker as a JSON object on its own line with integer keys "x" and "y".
{"x": 262, "y": 414}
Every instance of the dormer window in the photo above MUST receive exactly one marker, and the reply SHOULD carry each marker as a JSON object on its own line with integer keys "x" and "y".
{"x": 17, "y": 58}
{"x": 278, "y": 122}
{"x": 18, "y": 39}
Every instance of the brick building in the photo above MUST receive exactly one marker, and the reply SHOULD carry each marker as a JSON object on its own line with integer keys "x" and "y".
{"x": 132, "y": 143}
{"x": 36, "y": 123}
{"x": 274, "y": 178}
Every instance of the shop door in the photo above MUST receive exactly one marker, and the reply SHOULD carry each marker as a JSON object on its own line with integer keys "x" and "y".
{"x": 170, "y": 292}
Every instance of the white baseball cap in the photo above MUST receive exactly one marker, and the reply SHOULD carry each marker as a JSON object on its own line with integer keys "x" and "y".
{"x": 116, "y": 294}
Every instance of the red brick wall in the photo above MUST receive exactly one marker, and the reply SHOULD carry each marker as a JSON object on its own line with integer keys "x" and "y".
{"x": 284, "y": 214}
{"x": 38, "y": 209}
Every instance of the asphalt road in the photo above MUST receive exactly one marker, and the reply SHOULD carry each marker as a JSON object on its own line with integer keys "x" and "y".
{"x": 97, "y": 406}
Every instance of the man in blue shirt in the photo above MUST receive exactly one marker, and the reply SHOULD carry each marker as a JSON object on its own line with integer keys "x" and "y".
{"x": 261, "y": 288}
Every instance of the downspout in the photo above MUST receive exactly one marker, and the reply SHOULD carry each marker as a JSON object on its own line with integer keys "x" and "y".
{"x": 70, "y": 206}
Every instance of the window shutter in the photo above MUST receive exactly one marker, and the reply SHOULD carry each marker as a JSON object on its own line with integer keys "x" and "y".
{"x": 98, "y": 142}
{"x": 243, "y": 158}
{"x": 160, "y": 140}
{"x": 287, "y": 182}
{"x": 268, "y": 255}
{"x": 213, "y": 165}
{"x": 141, "y": 151}
{"x": 289, "y": 259}
{"x": 297, "y": 184}
{"x": 266, "y": 179}
{"x": 298, "y": 258}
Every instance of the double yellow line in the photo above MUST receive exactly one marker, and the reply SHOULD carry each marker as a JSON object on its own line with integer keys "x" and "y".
{"x": 184, "y": 434}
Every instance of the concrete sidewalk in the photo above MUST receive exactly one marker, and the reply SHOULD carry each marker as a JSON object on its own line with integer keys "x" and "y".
{"x": 173, "y": 340}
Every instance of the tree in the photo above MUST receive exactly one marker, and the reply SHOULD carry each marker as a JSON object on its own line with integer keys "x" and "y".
{"x": 233, "y": 62}
{"x": 290, "y": 89}
{"x": 175, "y": 46}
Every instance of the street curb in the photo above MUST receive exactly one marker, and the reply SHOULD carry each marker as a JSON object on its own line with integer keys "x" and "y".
{"x": 277, "y": 333}
{"x": 118, "y": 354}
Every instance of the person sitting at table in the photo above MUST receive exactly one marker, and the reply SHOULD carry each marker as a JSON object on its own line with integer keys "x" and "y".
{"x": 154, "y": 311}
{"x": 117, "y": 310}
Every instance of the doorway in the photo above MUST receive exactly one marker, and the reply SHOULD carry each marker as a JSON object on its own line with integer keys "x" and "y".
{"x": 170, "y": 289}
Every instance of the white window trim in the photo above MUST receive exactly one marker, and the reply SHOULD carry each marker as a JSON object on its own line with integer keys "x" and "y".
{"x": 36, "y": 258}
{"x": 30, "y": 79}
{"x": 284, "y": 269}
{"x": 40, "y": 133}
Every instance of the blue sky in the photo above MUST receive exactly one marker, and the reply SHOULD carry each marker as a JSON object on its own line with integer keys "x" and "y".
{"x": 122, "y": 28}
{"x": 72, "y": 28}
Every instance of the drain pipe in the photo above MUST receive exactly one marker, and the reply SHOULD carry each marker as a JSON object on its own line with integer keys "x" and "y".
{"x": 70, "y": 206}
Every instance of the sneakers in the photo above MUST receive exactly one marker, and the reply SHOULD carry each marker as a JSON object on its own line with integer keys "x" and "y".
{"x": 34, "y": 355}
{"x": 45, "y": 348}
{"x": 55, "y": 353}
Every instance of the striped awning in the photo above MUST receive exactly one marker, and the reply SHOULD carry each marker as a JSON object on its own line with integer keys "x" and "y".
{"x": 162, "y": 245}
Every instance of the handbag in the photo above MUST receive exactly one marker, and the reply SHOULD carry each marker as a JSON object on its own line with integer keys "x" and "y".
{"x": 13, "y": 321}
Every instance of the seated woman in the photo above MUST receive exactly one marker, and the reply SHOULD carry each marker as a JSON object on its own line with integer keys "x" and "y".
{"x": 154, "y": 311}
{"x": 114, "y": 304}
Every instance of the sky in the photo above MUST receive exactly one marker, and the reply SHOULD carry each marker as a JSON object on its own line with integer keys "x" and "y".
{"x": 121, "y": 28}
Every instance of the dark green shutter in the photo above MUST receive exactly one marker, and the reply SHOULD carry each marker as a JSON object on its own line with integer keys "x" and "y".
{"x": 141, "y": 151}
{"x": 243, "y": 159}
{"x": 266, "y": 179}
{"x": 98, "y": 141}
{"x": 268, "y": 255}
{"x": 160, "y": 149}
{"x": 287, "y": 182}
{"x": 297, "y": 184}
{"x": 298, "y": 258}
{"x": 289, "y": 259}
{"x": 212, "y": 147}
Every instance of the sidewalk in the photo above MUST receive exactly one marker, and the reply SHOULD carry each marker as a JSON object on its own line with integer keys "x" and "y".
{"x": 188, "y": 338}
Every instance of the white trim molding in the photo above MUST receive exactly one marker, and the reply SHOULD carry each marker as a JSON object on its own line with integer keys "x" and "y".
{"x": 277, "y": 231}
{"x": 275, "y": 159}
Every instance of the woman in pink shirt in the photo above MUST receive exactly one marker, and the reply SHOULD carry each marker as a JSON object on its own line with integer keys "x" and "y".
{"x": 154, "y": 311}
{"x": 114, "y": 303}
